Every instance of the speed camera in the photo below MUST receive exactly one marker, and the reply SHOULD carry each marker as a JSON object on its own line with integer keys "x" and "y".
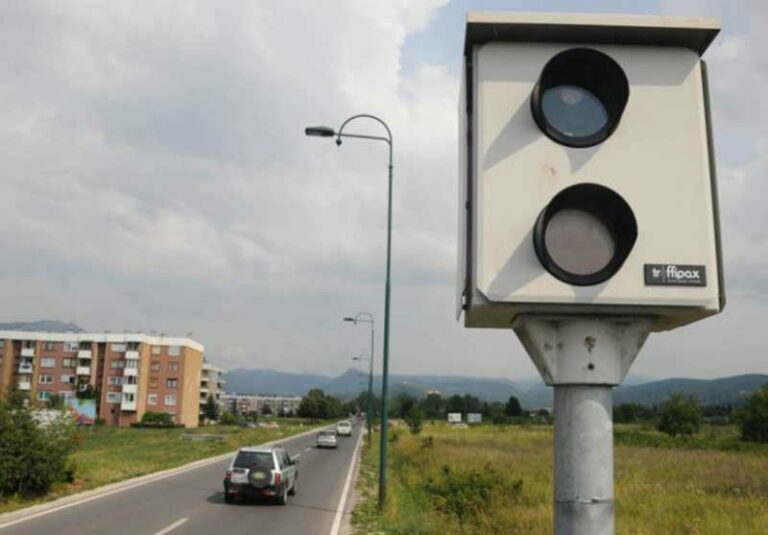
{"x": 587, "y": 176}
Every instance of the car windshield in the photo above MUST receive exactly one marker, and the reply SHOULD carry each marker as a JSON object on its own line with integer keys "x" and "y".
{"x": 326, "y": 433}
{"x": 247, "y": 459}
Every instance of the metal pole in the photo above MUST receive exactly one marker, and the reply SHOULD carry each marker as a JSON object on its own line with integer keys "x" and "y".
{"x": 369, "y": 411}
{"x": 584, "y": 501}
{"x": 385, "y": 364}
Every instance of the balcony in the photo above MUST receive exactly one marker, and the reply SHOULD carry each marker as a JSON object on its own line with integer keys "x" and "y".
{"x": 27, "y": 351}
{"x": 84, "y": 354}
{"x": 83, "y": 370}
{"x": 133, "y": 372}
{"x": 128, "y": 405}
{"x": 204, "y": 390}
{"x": 26, "y": 368}
{"x": 130, "y": 389}
{"x": 132, "y": 355}
{"x": 25, "y": 385}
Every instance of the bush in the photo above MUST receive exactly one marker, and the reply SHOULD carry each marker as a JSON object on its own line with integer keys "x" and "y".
{"x": 466, "y": 494}
{"x": 414, "y": 419}
{"x": 227, "y": 418}
{"x": 33, "y": 456}
{"x": 157, "y": 419}
{"x": 679, "y": 416}
{"x": 753, "y": 418}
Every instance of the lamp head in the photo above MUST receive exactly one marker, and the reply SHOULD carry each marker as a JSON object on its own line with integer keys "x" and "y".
{"x": 319, "y": 131}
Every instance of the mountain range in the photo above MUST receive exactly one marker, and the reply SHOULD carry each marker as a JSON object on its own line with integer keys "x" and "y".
{"x": 42, "y": 325}
{"x": 531, "y": 393}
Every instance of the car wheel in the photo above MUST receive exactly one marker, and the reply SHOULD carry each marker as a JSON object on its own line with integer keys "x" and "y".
{"x": 228, "y": 498}
{"x": 283, "y": 498}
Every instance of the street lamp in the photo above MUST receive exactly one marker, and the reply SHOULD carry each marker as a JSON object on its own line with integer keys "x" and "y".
{"x": 324, "y": 131}
{"x": 367, "y": 317}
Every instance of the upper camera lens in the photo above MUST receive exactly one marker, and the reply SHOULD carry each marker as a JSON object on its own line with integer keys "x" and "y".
{"x": 580, "y": 97}
{"x": 573, "y": 110}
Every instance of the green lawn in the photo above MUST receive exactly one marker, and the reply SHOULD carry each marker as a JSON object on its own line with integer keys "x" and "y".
{"x": 109, "y": 454}
{"x": 710, "y": 484}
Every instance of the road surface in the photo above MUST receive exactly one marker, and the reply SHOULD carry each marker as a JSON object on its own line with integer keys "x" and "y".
{"x": 192, "y": 502}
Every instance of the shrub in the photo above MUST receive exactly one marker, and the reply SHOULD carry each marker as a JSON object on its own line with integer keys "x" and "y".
{"x": 156, "y": 419}
{"x": 414, "y": 420}
{"x": 679, "y": 415}
{"x": 467, "y": 493}
{"x": 227, "y": 418}
{"x": 33, "y": 456}
{"x": 753, "y": 418}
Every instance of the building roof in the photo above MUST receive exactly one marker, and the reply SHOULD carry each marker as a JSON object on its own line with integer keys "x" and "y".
{"x": 45, "y": 336}
{"x": 694, "y": 33}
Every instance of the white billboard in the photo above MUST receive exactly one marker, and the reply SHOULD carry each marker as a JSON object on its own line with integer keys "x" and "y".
{"x": 454, "y": 417}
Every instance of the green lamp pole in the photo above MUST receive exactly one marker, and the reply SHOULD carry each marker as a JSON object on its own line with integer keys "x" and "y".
{"x": 324, "y": 131}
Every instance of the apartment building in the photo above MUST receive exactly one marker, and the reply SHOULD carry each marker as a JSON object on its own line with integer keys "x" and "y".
{"x": 211, "y": 383}
{"x": 241, "y": 404}
{"x": 130, "y": 374}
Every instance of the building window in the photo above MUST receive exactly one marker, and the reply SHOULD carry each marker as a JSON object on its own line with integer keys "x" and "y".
{"x": 49, "y": 346}
{"x": 152, "y": 399}
{"x": 129, "y": 397}
{"x": 173, "y": 367}
{"x": 67, "y": 394}
{"x": 70, "y": 347}
{"x": 132, "y": 346}
{"x": 68, "y": 379}
{"x": 129, "y": 380}
{"x": 46, "y": 379}
{"x": 47, "y": 362}
{"x": 174, "y": 351}
{"x": 155, "y": 350}
{"x": 117, "y": 364}
{"x": 68, "y": 363}
{"x": 171, "y": 383}
{"x": 170, "y": 399}
{"x": 133, "y": 364}
{"x": 44, "y": 396}
{"x": 117, "y": 348}
{"x": 113, "y": 397}
{"x": 114, "y": 380}
{"x": 155, "y": 366}
{"x": 153, "y": 382}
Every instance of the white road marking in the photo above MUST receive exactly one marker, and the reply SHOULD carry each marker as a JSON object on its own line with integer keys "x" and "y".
{"x": 308, "y": 449}
{"x": 297, "y": 456}
{"x": 173, "y": 526}
{"x": 343, "y": 502}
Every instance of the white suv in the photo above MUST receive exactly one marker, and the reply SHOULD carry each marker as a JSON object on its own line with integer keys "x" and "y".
{"x": 344, "y": 429}
{"x": 261, "y": 472}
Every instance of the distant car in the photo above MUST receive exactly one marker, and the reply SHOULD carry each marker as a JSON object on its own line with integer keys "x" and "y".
{"x": 261, "y": 472}
{"x": 326, "y": 439}
{"x": 344, "y": 428}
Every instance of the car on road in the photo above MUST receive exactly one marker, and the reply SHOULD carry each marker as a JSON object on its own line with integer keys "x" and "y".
{"x": 344, "y": 428}
{"x": 261, "y": 472}
{"x": 326, "y": 439}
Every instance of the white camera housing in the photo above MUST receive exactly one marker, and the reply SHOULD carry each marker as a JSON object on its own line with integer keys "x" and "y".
{"x": 659, "y": 159}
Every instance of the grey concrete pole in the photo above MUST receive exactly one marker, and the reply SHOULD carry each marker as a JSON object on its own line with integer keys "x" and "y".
{"x": 583, "y": 460}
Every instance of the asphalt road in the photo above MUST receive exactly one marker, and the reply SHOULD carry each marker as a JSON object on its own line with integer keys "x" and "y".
{"x": 192, "y": 502}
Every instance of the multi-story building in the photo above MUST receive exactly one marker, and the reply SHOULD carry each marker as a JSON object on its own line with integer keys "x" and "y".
{"x": 255, "y": 404}
{"x": 129, "y": 374}
{"x": 211, "y": 384}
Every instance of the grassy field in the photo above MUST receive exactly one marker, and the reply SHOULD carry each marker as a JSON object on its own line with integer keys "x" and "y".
{"x": 490, "y": 479}
{"x": 109, "y": 454}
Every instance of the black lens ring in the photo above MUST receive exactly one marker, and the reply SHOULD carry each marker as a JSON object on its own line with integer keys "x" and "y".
{"x": 607, "y": 206}
{"x": 593, "y": 71}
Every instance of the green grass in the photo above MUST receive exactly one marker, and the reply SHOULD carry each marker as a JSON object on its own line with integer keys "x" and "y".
{"x": 110, "y": 454}
{"x": 708, "y": 484}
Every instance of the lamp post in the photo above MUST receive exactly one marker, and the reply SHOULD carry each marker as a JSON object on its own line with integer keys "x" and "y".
{"x": 324, "y": 131}
{"x": 369, "y": 395}
{"x": 367, "y": 317}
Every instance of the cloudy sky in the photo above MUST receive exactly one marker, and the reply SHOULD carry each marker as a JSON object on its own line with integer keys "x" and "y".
{"x": 155, "y": 176}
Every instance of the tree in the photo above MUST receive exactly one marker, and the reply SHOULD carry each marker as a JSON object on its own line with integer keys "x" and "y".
{"x": 211, "y": 408}
{"x": 679, "y": 415}
{"x": 403, "y": 405}
{"x": 513, "y": 408}
{"x": 631, "y": 412}
{"x": 456, "y": 404}
{"x": 433, "y": 406}
{"x": 753, "y": 417}
{"x": 266, "y": 410}
{"x": 33, "y": 455}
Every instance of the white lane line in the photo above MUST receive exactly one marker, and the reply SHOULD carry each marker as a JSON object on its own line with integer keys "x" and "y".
{"x": 343, "y": 502}
{"x": 308, "y": 449}
{"x": 173, "y": 526}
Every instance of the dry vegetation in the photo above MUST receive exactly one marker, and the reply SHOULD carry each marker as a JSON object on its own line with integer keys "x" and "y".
{"x": 694, "y": 486}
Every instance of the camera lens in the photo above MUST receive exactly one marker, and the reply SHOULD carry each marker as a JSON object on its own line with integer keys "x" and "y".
{"x": 573, "y": 110}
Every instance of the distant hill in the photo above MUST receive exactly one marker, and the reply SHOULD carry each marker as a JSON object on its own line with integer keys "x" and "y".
{"x": 531, "y": 393}
{"x": 42, "y": 325}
